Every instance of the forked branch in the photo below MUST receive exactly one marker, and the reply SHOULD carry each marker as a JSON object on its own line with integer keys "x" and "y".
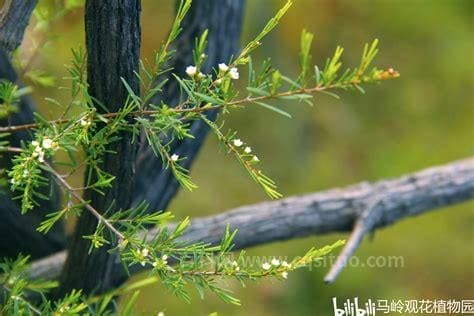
{"x": 335, "y": 210}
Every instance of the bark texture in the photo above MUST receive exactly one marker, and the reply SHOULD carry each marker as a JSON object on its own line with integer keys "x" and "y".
{"x": 14, "y": 17}
{"x": 113, "y": 48}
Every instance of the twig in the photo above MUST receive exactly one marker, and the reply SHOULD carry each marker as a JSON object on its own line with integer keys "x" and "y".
{"x": 89, "y": 207}
{"x": 30, "y": 306}
{"x": 363, "y": 225}
{"x": 180, "y": 109}
{"x": 11, "y": 149}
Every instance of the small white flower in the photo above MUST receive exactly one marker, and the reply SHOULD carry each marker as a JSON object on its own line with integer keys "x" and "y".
{"x": 238, "y": 142}
{"x": 41, "y": 157}
{"x": 284, "y": 274}
{"x": 85, "y": 123}
{"x": 161, "y": 314}
{"x": 285, "y": 264}
{"x": 164, "y": 257}
{"x": 223, "y": 67}
{"x": 234, "y": 73}
{"x": 143, "y": 263}
{"x": 248, "y": 150}
{"x": 174, "y": 157}
{"x": 237, "y": 268}
{"x": 154, "y": 264}
{"x": 219, "y": 81}
{"x": 35, "y": 143}
{"x": 13, "y": 182}
{"x": 145, "y": 252}
{"x": 255, "y": 158}
{"x": 191, "y": 71}
{"x": 275, "y": 262}
{"x": 201, "y": 75}
{"x": 266, "y": 266}
{"x": 25, "y": 173}
{"x": 234, "y": 263}
{"x": 47, "y": 143}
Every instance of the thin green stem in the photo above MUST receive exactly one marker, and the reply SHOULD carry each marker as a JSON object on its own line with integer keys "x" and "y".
{"x": 89, "y": 207}
{"x": 179, "y": 108}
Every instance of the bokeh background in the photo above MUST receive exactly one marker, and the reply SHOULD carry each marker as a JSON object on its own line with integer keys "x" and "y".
{"x": 422, "y": 119}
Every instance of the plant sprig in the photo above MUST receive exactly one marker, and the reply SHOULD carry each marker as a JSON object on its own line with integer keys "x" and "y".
{"x": 170, "y": 260}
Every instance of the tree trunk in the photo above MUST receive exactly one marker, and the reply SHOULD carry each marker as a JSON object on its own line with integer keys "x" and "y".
{"x": 113, "y": 47}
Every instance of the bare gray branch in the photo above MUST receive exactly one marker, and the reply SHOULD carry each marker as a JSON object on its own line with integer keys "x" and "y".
{"x": 323, "y": 212}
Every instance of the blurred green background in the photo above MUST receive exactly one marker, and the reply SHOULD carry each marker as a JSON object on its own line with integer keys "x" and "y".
{"x": 422, "y": 119}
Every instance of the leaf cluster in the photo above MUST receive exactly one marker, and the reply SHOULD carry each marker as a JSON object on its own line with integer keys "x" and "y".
{"x": 84, "y": 136}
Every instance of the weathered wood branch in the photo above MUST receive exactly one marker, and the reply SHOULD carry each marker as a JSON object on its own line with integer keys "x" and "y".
{"x": 324, "y": 212}
{"x": 14, "y": 18}
{"x": 364, "y": 224}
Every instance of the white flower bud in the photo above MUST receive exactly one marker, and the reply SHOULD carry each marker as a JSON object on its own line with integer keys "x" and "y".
{"x": 191, "y": 71}
{"x": 234, "y": 73}
{"x": 238, "y": 142}
{"x": 47, "y": 143}
{"x": 223, "y": 67}
{"x": 174, "y": 157}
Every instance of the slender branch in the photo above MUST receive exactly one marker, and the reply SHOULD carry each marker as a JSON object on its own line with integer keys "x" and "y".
{"x": 181, "y": 109}
{"x": 324, "y": 212}
{"x": 10, "y": 149}
{"x": 30, "y": 306}
{"x": 87, "y": 205}
{"x": 363, "y": 225}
